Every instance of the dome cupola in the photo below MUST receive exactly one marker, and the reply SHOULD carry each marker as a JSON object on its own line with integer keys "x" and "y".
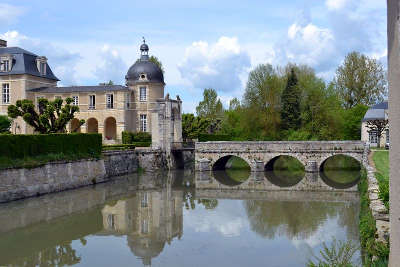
{"x": 144, "y": 70}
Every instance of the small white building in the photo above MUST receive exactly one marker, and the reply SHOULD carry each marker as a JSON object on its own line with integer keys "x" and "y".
{"x": 376, "y": 112}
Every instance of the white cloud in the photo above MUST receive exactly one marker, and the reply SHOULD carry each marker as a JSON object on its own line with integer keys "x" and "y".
{"x": 336, "y": 4}
{"x": 10, "y": 14}
{"x": 309, "y": 45}
{"x": 112, "y": 66}
{"x": 61, "y": 61}
{"x": 216, "y": 65}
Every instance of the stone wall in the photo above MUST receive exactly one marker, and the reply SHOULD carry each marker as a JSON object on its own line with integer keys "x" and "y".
{"x": 52, "y": 177}
{"x": 59, "y": 176}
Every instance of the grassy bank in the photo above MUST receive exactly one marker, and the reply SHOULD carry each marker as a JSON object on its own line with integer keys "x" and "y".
{"x": 381, "y": 160}
{"x": 371, "y": 248}
{"x": 32, "y": 162}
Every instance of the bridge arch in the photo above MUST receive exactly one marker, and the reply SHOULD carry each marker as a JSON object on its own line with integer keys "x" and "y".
{"x": 220, "y": 163}
{"x": 349, "y": 156}
{"x": 343, "y": 174}
{"x": 269, "y": 166}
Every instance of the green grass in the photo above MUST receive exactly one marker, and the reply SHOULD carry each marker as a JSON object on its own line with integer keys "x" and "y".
{"x": 381, "y": 160}
{"x": 367, "y": 228}
{"x": 118, "y": 147}
{"x": 239, "y": 170}
{"x": 32, "y": 162}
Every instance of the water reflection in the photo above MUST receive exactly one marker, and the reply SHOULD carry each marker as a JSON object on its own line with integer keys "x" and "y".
{"x": 341, "y": 179}
{"x": 284, "y": 178}
{"x": 167, "y": 220}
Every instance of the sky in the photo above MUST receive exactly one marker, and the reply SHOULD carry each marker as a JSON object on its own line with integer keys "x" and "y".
{"x": 202, "y": 44}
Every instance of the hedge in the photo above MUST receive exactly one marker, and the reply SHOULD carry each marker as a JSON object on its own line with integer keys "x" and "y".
{"x": 131, "y": 138}
{"x": 214, "y": 137}
{"x": 23, "y": 146}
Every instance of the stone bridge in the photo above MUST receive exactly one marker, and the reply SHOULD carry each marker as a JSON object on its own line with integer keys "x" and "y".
{"x": 260, "y": 155}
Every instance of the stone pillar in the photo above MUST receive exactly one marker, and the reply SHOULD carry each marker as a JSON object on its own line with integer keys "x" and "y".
{"x": 311, "y": 166}
{"x": 394, "y": 124}
{"x": 203, "y": 165}
{"x": 258, "y": 166}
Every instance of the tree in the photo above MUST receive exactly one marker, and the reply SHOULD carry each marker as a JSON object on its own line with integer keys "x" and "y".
{"x": 107, "y": 83}
{"x": 291, "y": 113}
{"x": 5, "y": 124}
{"x": 211, "y": 106}
{"x": 52, "y": 116}
{"x": 360, "y": 80}
{"x": 192, "y": 126}
{"x": 262, "y": 102}
{"x": 378, "y": 126}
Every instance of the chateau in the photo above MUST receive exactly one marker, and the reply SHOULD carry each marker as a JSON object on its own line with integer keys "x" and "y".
{"x": 138, "y": 106}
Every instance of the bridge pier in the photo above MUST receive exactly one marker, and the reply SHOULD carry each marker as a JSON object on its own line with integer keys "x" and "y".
{"x": 311, "y": 166}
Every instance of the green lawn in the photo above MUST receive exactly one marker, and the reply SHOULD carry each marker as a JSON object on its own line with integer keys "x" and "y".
{"x": 381, "y": 160}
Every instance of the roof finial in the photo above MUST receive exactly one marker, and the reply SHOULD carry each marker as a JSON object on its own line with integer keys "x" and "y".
{"x": 144, "y": 40}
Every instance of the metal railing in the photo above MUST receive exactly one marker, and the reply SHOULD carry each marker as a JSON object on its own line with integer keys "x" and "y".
{"x": 182, "y": 145}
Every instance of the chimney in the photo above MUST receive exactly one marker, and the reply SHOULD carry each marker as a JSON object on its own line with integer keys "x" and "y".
{"x": 3, "y": 43}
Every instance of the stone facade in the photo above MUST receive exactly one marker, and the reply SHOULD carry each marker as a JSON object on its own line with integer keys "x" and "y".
{"x": 393, "y": 25}
{"x": 106, "y": 109}
{"x": 312, "y": 154}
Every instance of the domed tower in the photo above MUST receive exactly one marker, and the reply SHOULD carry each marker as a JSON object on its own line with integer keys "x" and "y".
{"x": 145, "y": 78}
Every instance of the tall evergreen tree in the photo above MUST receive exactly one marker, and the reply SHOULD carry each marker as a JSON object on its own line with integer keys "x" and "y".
{"x": 291, "y": 113}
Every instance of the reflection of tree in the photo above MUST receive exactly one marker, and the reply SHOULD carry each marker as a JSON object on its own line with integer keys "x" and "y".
{"x": 209, "y": 204}
{"x": 61, "y": 255}
{"x": 293, "y": 219}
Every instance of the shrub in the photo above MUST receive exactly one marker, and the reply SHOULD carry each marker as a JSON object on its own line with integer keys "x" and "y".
{"x": 214, "y": 137}
{"x": 24, "y": 146}
{"x": 130, "y": 138}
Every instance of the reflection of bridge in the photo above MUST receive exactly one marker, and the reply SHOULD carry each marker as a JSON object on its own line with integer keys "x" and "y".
{"x": 312, "y": 154}
{"x": 268, "y": 182}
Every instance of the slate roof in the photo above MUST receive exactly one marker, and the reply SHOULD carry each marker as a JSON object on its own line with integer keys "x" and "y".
{"x": 376, "y": 112}
{"x": 70, "y": 89}
{"x": 25, "y": 63}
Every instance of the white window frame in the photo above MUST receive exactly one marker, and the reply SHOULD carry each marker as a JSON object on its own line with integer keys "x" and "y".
{"x": 145, "y": 200}
{"x": 373, "y": 137}
{"x": 92, "y": 103}
{"x": 143, "y": 122}
{"x": 109, "y": 101}
{"x": 5, "y": 65}
{"x": 5, "y": 93}
{"x": 145, "y": 226}
{"x": 143, "y": 93}
{"x": 75, "y": 100}
{"x": 42, "y": 68}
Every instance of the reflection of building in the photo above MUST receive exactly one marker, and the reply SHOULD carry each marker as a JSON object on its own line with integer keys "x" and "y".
{"x": 107, "y": 109}
{"x": 149, "y": 219}
{"x": 377, "y": 112}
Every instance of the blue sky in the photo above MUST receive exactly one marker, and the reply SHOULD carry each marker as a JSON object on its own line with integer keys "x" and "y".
{"x": 200, "y": 43}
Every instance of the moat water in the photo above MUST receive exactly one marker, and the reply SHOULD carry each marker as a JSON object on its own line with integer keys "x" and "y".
{"x": 164, "y": 219}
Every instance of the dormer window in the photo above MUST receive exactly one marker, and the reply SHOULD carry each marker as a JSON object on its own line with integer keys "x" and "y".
{"x": 41, "y": 63}
{"x": 5, "y": 63}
